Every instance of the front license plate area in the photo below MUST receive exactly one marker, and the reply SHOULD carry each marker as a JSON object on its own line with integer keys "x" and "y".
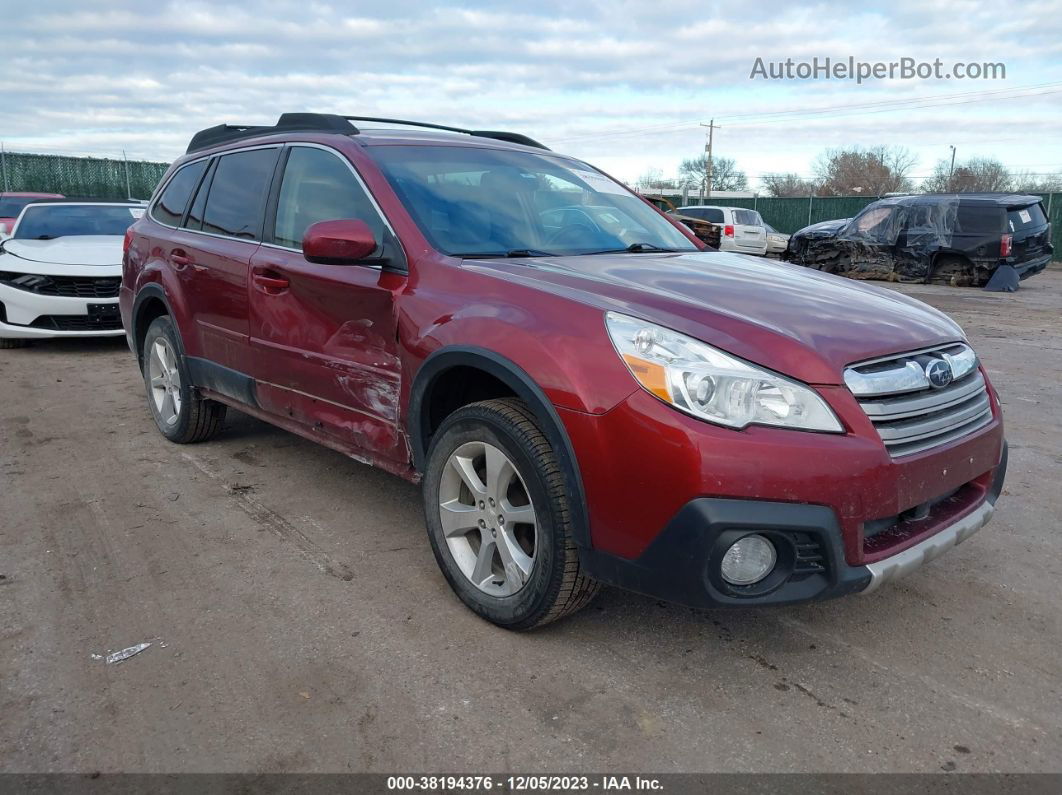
{"x": 103, "y": 314}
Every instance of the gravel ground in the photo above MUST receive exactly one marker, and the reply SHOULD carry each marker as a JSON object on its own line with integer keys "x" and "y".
{"x": 299, "y": 622}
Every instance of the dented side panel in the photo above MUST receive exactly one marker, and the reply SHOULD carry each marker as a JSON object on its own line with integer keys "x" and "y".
{"x": 890, "y": 240}
{"x": 326, "y": 349}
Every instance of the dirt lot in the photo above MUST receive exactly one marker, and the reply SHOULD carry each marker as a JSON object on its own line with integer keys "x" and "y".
{"x": 299, "y": 621}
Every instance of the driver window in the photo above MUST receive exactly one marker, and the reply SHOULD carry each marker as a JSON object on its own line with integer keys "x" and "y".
{"x": 319, "y": 186}
{"x": 877, "y": 225}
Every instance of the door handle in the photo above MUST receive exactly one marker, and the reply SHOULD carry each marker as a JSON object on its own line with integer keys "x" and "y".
{"x": 271, "y": 285}
{"x": 180, "y": 258}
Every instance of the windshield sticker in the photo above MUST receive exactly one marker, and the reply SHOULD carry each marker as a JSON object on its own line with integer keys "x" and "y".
{"x": 600, "y": 182}
{"x": 1024, "y": 216}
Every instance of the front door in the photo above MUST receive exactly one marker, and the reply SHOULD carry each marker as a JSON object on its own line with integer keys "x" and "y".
{"x": 324, "y": 336}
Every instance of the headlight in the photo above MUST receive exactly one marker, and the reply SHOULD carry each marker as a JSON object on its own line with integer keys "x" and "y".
{"x": 711, "y": 385}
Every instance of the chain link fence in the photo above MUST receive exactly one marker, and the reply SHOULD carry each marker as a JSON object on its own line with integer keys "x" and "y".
{"x": 95, "y": 177}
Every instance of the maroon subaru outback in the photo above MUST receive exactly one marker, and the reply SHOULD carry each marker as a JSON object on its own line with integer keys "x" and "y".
{"x": 585, "y": 394}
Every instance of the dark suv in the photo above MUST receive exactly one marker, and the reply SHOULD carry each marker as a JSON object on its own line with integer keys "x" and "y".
{"x": 955, "y": 238}
{"x": 585, "y": 395}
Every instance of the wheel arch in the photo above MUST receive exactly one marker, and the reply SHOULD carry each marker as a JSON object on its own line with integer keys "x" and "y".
{"x": 425, "y": 394}
{"x": 151, "y": 302}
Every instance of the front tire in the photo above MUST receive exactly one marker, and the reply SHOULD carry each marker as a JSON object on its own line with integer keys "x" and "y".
{"x": 498, "y": 517}
{"x": 181, "y": 414}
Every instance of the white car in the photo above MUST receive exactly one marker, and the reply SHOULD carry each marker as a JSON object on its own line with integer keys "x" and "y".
{"x": 777, "y": 242}
{"x": 60, "y": 270}
{"x": 742, "y": 232}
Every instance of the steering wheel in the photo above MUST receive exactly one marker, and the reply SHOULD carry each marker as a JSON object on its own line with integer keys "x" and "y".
{"x": 573, "y": 234}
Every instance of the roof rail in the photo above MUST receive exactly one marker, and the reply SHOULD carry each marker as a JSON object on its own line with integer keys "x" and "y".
{"x": 288, "y": 122}
{"x": 511, "y": 137}
{"x": 328, "y": 122}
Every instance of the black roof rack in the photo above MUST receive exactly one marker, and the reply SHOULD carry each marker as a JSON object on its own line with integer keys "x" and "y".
{"x": 498, "y": 135}
{"x": 328, "y": 122}
{"x": 288, "y": 122}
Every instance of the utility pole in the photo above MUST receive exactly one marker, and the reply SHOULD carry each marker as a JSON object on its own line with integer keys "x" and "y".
{"x": 951, "y": 169}
{"x": 128, "y": 190}
{"x": 712, "y": 127}
{"x": 3, "y": 163}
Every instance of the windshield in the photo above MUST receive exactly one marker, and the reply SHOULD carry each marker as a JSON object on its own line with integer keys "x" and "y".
{"x": 48, "y": 221}
{"x": 488, "y": 202}
{"x": 11, "y": 206}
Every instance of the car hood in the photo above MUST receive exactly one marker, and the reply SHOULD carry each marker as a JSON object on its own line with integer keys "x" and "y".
{"x": 823, "y": 228}
{"x": 800, "y": 322}
{"x": 72, "y": 250}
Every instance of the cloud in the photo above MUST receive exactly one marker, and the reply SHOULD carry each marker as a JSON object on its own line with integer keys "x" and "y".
{"x": 144, "y": 77}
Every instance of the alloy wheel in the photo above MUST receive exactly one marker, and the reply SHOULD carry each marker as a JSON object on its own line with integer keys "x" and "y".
{"x": 488, "y": 520}
{"x": 165, "y": 381}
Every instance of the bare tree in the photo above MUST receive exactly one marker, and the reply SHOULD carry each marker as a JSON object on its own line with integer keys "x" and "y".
{"x": 652, "y": 179}
{"x": 1024, "y": 182}
{"x": 868, "y": 172}
{"x": 976, "y": 174}
{"x": 725, "y": 173}
{"x": 780, "y": 185}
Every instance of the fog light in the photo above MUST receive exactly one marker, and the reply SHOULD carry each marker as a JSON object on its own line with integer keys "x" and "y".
{"x": 748, "y": 560}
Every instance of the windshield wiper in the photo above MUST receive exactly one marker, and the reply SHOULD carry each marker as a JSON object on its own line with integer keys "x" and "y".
{"x": 634, "y": 248}
{"x": 514, "y": 253}
{"x": 46, "y": 237}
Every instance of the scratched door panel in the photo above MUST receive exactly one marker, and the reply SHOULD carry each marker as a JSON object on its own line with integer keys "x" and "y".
{"x": 330, "y": 335}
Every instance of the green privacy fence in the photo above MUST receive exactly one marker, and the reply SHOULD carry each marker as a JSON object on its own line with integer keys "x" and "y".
{"x": 789, "y": 215}
{"x": 98, "y": 177}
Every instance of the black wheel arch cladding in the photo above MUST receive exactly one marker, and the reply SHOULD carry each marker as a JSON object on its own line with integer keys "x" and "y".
{"x": 523, "y": 387}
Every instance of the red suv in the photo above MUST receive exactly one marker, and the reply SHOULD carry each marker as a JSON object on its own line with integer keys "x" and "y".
{"x": 585, "y": 394}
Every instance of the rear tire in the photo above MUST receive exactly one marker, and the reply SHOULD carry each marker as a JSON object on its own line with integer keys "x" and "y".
{"x": 519, "y": 571}
{"x": 953, "y": 271}
{"x": 181, "y": 414}
{"x": 8, "y": 343}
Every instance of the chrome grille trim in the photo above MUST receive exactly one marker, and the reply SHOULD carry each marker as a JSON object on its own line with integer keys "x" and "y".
{"x": 908, "y": 413}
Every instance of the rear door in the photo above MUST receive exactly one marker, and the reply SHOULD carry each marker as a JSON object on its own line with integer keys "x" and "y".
{"x": 212, "y": 251}
{"x": 325, "y": 336}
{"x": 749, "y": 233}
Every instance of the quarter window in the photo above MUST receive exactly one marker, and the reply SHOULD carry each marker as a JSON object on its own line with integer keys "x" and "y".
{"x": 169, "y": 209}
{"x": 195, "y": 214}
{"x": 237, "y": 193}
{"x": 319, "y": 186}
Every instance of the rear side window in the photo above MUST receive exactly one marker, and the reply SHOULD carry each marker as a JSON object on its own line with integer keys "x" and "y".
{"x": 170, "y": 207}
{"x": 747, "y": 218}
{"x": 1021, "y": 218}
{"x": 319, "y": 186}
{"x": 237, "y": 193}
{"x": 979, "y": 218}
{"x": 713, "y": 214}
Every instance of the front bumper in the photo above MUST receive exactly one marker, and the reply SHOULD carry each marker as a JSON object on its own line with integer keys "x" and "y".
{"x": 682, "y": 563}
{"x": 661, "y": 487}
{"x": 21, "y": 308}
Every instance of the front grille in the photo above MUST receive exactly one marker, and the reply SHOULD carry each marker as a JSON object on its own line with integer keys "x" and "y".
{"x": 910, "y": 413}
{"x": 65, "y": 286}
{"x": 77, "y": 323}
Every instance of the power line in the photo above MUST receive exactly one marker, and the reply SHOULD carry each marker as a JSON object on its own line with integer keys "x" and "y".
{"x": 824, "y": 112}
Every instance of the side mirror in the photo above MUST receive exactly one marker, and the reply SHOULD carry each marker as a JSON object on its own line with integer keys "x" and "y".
{"x": 343, "y": 242}
{"x": 3, "y": 231}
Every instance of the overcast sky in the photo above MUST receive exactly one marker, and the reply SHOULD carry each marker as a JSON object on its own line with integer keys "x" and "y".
{"x": 621, "y": 84}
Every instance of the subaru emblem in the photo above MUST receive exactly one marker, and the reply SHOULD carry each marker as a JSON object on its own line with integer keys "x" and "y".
{"x": 939, "y": 373}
